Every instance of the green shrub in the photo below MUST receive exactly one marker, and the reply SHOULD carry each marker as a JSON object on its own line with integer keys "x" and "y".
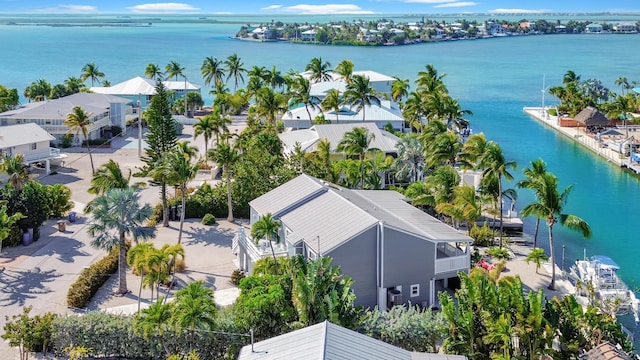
{"x": 91, "y": 279}
{"x": 236, "y": 276}
{"x": 208, "y": 219}
{"x": 14, "y": 238}
{"x": 482, "y": 236}
{"x": 66, "y": 141}
{"x": 59, "y": 197}
{"x": 29, "y": 333}
{"x": 498, "y": 253}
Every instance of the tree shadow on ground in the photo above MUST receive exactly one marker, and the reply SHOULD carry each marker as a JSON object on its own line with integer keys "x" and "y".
{"x": 18, "y": 286}
{"x": 212, "y": 235}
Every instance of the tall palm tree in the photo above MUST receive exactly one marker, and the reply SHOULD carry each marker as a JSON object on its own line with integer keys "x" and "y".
{"x": 359, "y": 92}
{"x": 495, "y": 167}
{"x": 194, "y": 308}
{"x": 430, "y": 81}
{"x": 274, "y": 78}
{"x": 15, "y": 168}
{"x": 73, "y": 85}
{"x": 187, "y": 150}
{"x": 153, "y": 71}
{"x": 549, "y": 204}
{"x": 319, "y": 71}
{"x": 267, "y": 228}
{"x": 300, "y": 93}
{"x": 472, "y": 151}
{"x": 117, "y": 214}
{"x": 357, "y": 142}
{"x": 235, "y": 69}
{"x": 443, "y": 150}
{"x": 181, "y": 170}
{"x": 140, "y": 258}
{"x": 79, "y": 121}
{"x": 174, "y": 69}
{"x": 345, "y": 70}
{"x": 205, "y": 126}
{"x": 533, "y": 174}
{"x": 225, "y": 155}
{"x": 212, "y": 70}
{"x": 270, "y": 104}
{"x": 410, "y": 161}
{"x": 109, "y": 176}
{"x": 332, "y": 101}
{"x": 91, "y": 71}
{"x": 38, "y": 90}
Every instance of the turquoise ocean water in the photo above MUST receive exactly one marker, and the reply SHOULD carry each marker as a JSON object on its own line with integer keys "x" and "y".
{"x": 494, "y": 78}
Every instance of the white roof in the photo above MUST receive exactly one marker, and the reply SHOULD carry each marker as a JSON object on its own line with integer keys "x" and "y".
{"x": 373, "y": 76}
{"x": 142, "y": 86}
{"x": 21, "y": 134}
{"x": 372, "y": 113}
{"x": 59, "y": 108}
{"x": 309, "y": 138}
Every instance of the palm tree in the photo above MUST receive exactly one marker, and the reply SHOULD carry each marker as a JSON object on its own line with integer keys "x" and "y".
{"x": 495, "y": 167}
{"x": 410, "y": 160}
{"x": 38, "y": 90}
{"x": 153, "y": 321}
{"x": 73, "y": 85}
{"x": 570, "y": 77}
{"x": 212, "y": 70}
{"x": 117, "y": 214}
{"x": 274, "y": 78}
{"x": 623, "y": 83}
{"x": 194, "y": 308}
{"x": 345, "y": 70}
{"x": 301, "y": 94}
{"x": 429, "y": 81}
{"x": 180, "y": 171}
{"x": 270, "y": 104}
{"x": 332, "y": 101}
{"x": 443, "y": 150}
{"x": 140, "y": 258}
{"x": 187, "y": 150}
{"x": 472, "y": 151}
{"x": 319, "y": 71}
{"x": 359, "y": 92}
{"x": 152, "y": 71}
{"x": 235, "y": 69}
{"x": 174, "y": 69}
{"x": 267, "y": 228}
{"x": 109, "y": 176}
{"x": 549, "y": 204}
{"x": 91, "y": 71}
{"x": 538, "y": 256}
{"x": 357, "y": 143}
{"x": 532, "y": 174}
{"x": 205, "y": 126}
{"x": 6, "y": 223}
{"x": 15, "y": 168}
{"x": 464, "y": 207}
{"x": 224, "y": 155}
{"x": 79, "y": 121}
{"x": 399, "y": 89}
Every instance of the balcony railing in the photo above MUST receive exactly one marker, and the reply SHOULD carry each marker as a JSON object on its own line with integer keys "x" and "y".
{"x": 454, "y": 263}
{"x": 259, "y": 251}
{"x": 41, "y": 155}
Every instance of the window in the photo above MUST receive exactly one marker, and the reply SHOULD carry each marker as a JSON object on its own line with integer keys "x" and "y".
{"x": 415, "y": 290}
{"x": 33, "y": 146}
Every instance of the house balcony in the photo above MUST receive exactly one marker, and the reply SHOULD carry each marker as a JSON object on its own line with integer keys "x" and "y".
{"x": 42, "y": 155}
{"x": 258, "y": 251}
{"x": 450, "y": 258}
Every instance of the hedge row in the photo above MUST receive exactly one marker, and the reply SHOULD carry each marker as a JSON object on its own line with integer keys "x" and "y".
{"x": 91, "y": 279}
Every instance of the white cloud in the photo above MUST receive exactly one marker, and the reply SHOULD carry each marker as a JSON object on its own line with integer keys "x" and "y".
{"x": 457, "y": 4}
{"x": 517, "y": 11}
{"x": 307, "y": 9}
{"x": 162, "y": 8}
{"x": 271, "y": 7}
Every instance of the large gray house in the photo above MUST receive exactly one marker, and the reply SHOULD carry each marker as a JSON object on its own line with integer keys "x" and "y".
{"x": 395, "y": 252}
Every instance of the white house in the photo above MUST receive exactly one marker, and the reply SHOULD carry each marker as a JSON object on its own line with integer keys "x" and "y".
{"x": 386, "y": 113}
{"x": 105, "y": 110}
{"x": 32, "y": 142}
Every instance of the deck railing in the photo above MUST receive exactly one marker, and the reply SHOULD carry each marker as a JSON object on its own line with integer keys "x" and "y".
{"x": 259, "y": 251}
{"x": 453, "y": 263}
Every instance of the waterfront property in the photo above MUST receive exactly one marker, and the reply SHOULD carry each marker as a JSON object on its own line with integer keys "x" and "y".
{"x": 330, "y": 341}
{"x": 106, "y": 111}
{"x": 395, "y": 252}
{"x": 308, "y": 139}
{"x": 32, "y": 142}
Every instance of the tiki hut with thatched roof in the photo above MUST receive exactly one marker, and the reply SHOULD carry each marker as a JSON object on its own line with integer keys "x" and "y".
{"x": 591, "y": 116}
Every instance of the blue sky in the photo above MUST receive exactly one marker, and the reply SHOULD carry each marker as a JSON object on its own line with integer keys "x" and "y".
{"x": 317, "y": 7}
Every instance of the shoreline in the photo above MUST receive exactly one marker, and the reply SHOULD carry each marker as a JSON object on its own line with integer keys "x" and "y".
{"x": 583, "y": 139}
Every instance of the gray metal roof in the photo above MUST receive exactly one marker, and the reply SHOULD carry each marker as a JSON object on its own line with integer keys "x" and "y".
{"x": 59, "y": 108}
{"x": 287, "y": 195}
{"x": 309, "y": 138}
{"x": 323, "y": 341}
{"x": 21, "y": 134}
{"x": 393, "y": 210}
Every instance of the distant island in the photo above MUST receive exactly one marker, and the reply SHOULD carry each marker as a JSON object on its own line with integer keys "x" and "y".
{"x": 387, "y": 32}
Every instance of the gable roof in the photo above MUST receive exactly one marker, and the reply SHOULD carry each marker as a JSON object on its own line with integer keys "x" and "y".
{"x": 141, "y": 86}
{"x": 59, "y": 108}
{"x": 373, "y": 112}
{"x": 329, "y": 341}
{"x": 591, "y": 116}
{"x": 307, "y": 205}
{"x": 20, "y": 134}
{"x": 309, "y": 138}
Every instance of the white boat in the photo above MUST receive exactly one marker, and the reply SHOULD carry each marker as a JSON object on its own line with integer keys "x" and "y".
{"x": 597, "y": 279}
